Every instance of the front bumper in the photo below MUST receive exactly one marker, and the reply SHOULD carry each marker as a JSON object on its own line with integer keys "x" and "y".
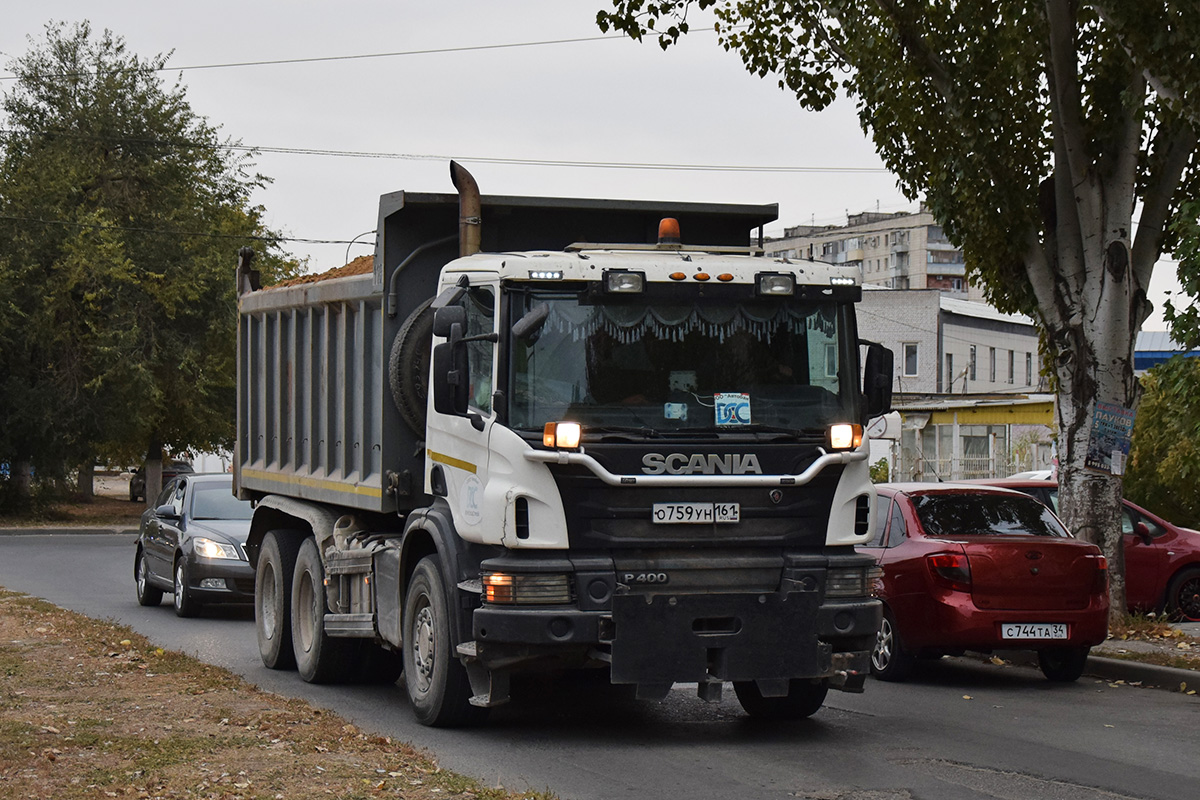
{"x": 668, "y": 638}
{"x": 220, "y": 580}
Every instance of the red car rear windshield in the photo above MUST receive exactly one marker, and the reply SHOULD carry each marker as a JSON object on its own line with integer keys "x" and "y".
{"x": 982, "y": 514}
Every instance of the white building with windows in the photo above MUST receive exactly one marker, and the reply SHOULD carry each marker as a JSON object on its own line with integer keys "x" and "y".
{"x": 947, "y": 345}
{"x": 967, "y": 383}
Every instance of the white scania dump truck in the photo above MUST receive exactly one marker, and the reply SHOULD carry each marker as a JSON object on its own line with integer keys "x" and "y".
{"x": 579, "y": 443}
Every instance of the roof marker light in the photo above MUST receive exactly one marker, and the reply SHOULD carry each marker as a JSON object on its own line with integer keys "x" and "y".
{"x": 545, "y": 275}
{"x": 668, "y": 231}
{"x": 840, "y": 280}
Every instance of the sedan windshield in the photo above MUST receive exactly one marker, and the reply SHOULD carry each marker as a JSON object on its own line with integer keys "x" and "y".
{"x": 216, "y": 501}
{"x": 748, "y": 364}
{"x": 985, "y": 514}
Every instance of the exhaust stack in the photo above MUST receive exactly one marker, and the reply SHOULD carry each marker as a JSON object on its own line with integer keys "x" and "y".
{"x": 470, "y": 231}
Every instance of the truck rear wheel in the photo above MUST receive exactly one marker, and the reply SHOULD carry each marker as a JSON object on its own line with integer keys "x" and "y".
{"x": 320, "y": 658}
{"x": 803, "y": 700}
{"x": 438, "y": 687}
{"x": 273, "y": 598}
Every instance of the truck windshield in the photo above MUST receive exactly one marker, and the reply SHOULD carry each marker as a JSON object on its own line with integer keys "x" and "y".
{"x": 736, "y": 365}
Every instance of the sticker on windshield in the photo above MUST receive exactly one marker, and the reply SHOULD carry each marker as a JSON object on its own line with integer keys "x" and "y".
{"x": 675, "y": 411}
{"x": 733, "y": 408}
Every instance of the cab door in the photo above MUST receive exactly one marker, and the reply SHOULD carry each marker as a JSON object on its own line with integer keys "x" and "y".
{"x": 457, "y": 452}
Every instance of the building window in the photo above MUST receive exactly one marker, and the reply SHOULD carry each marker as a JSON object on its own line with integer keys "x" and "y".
{"x": 949, "y": 372}
{"x": 992, "y": 364}
{"x": 910, "y": 359}
{"x": 1010, "y": 366}
{"x": 1029, "y": 369}
{"x": 971, "y": 364}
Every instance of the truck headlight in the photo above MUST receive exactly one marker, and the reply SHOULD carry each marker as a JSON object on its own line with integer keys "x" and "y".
{"x": 502, "y": 588}
{"x": 845, "y": 436}
{"x": 849, "y": 581}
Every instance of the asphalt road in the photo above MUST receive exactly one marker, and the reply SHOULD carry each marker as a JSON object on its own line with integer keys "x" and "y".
{"x": 962, "y": 730}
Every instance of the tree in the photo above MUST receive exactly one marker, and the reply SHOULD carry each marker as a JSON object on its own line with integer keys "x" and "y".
{"x": 121, "y": 213}
{"x": 1164, "y": 465}
{"x": 1033, "y": 131}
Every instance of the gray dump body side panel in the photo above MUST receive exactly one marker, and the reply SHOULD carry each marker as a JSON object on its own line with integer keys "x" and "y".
{"x": 314, "y": 416}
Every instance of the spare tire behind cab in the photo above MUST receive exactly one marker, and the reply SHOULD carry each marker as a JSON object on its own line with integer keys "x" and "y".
{"x": 408, "y": 366}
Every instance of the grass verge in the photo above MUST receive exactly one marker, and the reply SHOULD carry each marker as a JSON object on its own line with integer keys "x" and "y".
{"x": 90, "y": 709}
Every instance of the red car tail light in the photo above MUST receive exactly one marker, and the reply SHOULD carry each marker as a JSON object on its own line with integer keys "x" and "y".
{"x": 1101, "y": 586}
{"x": 951, "y": 570}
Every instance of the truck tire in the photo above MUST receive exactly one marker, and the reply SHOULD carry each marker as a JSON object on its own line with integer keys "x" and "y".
{"x": 273, "y": 598}
{"x": 408, "y": 367}
{"x": 803, "y": 700}
{"x": 320, "y": 658}
{"x": 438, "y": 688}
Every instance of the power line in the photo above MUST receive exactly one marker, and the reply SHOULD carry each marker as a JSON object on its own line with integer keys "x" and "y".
{"x": 197, "y": 234}
{"x": 351, "y": 57}
{"x": 501, "y": 160}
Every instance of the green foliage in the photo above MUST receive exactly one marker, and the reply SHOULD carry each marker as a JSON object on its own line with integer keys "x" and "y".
{"x": 121, "y": 213}
{"x": 1164, "y": 459}
{"x": 957, "y": 98}
{"x": 879, "y": 471}
{"x": 1185, "y": 319}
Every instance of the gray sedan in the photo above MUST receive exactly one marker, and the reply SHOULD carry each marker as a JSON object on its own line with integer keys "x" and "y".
{"x": 191, "y": 544}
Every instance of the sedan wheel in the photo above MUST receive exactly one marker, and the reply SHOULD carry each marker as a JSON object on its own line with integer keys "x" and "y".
{"x": 889, "y": 661}
{"x": 185, "y": 604}
{"x": 1183, "y": 598}
{"x": 1063, "y": 664}
{"x": 147, "y": 595}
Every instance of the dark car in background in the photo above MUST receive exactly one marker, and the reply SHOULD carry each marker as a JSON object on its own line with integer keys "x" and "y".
{"x": 982, "y": 569}
{"x": 1162, "y": 560}
{"x": 192, "y": 545}
{"x": 170, "y": 469}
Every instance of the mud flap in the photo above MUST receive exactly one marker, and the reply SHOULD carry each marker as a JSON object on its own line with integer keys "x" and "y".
{"x": 663, "y": 639}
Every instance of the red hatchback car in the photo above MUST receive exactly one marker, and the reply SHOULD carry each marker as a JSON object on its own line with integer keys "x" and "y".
{"x": 1162, "y": 561}
{"x": 983, "y": 569}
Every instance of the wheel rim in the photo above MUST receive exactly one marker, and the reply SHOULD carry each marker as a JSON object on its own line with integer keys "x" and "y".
{"x": 179, "y": 585}
{"x": 1187, "y": 599}
{"x": 267, "y": 610}
{"x": 141, "y": 576}
{"x": 885, "y": 641}
{"x": 306, "y": 611}
{"x": 424, "y": 645}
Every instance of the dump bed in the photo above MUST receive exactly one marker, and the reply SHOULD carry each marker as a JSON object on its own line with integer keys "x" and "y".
{"x": 315, "y": 417}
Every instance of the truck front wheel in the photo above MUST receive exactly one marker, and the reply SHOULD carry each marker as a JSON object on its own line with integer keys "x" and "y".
{"x": 320, "y": 658}
{"x": 273, "y": 598}
{"x": 438, "y": 688}
{"x": 803, "y": 700}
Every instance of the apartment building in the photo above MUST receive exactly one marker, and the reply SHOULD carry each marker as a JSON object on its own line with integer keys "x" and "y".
{"x": 902, "y": 250}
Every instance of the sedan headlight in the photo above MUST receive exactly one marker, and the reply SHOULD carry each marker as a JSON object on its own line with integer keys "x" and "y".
{"x": 207, "y": 548}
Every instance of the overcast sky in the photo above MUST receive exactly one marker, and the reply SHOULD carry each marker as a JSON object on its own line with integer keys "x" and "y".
{"x": 609, "y": 100}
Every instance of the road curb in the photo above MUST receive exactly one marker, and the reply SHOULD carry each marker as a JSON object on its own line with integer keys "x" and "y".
{"x": 51, "y": 531}
{"x": 1151, "y": 675}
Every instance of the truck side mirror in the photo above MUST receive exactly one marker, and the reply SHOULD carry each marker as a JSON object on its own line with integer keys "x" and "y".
{"x": 877, "y": 379}
{"x": 529, "y": 327}
{"x": 451, "y": 371}
{"x": 446, "y": 317}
